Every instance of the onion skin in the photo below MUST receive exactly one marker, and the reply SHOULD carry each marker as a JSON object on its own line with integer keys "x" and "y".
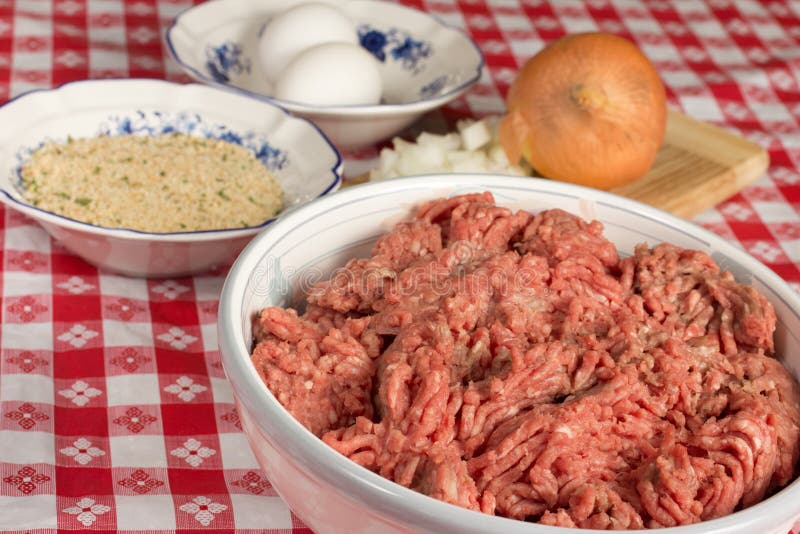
{"x": 589, "y": 108}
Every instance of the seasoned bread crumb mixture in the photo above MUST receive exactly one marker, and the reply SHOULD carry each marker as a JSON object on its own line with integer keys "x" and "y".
{"x": 514, "y": 364}
{"x": 165, "y": 183}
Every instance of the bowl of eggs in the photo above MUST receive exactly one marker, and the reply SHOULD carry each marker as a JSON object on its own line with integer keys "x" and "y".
{"x": 359, "y": 69}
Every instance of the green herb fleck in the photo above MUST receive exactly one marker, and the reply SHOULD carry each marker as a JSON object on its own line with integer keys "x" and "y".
{"x": 83, "y": 201}
{"x": 97, "y": 170}
{"x": 222, "y": 194}
{"x": 62, "y": 195}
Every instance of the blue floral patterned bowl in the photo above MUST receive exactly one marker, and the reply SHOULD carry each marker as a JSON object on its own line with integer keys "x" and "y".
{"x": 294, "y": 150}
{"x": 424, "y": 63}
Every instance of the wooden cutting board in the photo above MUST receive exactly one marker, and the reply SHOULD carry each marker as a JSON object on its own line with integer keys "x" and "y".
{"x": 698, "y": 166}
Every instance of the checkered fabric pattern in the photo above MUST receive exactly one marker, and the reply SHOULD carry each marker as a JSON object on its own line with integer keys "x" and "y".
{"x": 115, "y": 414}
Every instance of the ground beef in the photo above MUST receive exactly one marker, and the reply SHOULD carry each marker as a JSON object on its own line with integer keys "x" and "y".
{"x": 514, "y": 364}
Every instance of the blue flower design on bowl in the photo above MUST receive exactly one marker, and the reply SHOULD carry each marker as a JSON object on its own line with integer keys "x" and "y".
{"x": 399, "y": 45}
{"x": 374, "y": 41}
{"x": 226, "y": 59}
{"x": 434, "y": 87}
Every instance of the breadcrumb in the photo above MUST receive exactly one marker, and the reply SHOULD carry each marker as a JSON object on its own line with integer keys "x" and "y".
{"x": 165, "y": 183}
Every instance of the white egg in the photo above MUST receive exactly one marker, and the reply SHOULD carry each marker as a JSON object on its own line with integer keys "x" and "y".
{"x": 331, "y": 74}
{"x": 292, "y": 31}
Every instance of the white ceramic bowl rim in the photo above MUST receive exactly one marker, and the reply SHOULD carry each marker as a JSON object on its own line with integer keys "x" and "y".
{"x": 386, "y": 496}
{"x": 376, "y": 109}
{"x": 130, "y": 233}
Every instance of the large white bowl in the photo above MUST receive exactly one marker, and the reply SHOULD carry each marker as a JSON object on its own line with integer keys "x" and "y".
{"x": 424, "y": 65}
{"x": 293, "y": 149}
{"x": 333, "y": 494}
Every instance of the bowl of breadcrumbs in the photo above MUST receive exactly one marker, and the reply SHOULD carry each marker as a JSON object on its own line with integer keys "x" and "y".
{"x": 151, "y": 178}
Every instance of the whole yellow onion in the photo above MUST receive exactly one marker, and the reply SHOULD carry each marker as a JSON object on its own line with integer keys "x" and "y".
{"x": 588, "y": 108}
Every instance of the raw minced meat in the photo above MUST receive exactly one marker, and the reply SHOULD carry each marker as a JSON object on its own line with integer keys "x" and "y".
{"x": 514, "y": 364}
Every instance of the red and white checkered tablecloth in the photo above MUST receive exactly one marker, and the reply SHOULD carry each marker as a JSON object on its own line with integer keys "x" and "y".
{"x": 115, "y": 414}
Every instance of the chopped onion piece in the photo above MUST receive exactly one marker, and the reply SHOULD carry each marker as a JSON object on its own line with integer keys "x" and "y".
{"x": 475, "y": 135}
{"x": 474, "y": 148}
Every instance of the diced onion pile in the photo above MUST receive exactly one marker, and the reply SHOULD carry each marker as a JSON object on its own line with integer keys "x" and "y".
{"x": 473, "y": 148}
